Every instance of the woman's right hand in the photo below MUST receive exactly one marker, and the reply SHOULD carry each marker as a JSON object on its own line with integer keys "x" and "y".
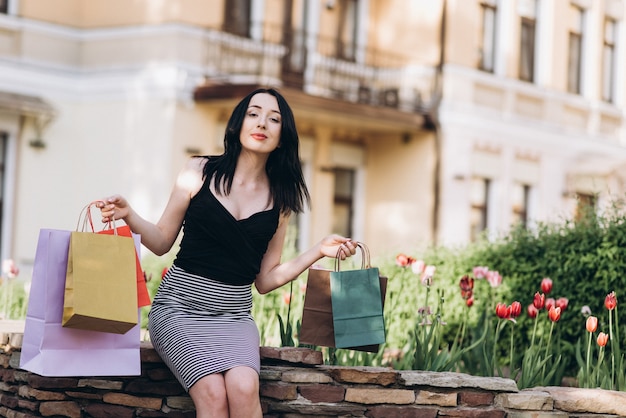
{"x": 113, "y": 207}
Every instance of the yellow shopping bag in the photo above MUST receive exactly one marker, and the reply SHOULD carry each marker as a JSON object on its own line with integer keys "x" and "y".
{"x": 100, "y": 283}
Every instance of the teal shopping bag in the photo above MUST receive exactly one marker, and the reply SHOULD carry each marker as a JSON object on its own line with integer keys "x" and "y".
{"x": 357, "y": 305}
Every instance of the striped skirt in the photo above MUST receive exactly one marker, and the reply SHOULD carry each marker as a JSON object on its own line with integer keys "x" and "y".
{"x": 201, "y": 326}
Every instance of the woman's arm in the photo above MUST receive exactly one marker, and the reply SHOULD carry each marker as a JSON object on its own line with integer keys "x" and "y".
{"x": 274, "y": 274}
{"x": 160, "y": 237}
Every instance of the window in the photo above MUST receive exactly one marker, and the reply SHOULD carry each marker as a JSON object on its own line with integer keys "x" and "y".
{"x": 608, "y": 60}
{"x": 527, "y": 53}
{"x": 479, "y": 199}
{"x": 237, "y": 17}
{"x": 574, "y": 65}
{"x": 4, "y": 139}
{"x": 347, "y": 29}
{"x": 488, "y": 49}
{"x": 528, "y": 12}
{"x": 586, "y": 205}
{"x": 343, "y": 202}
{"x": 4, "y": 6}
{"x": 521, "y": 195}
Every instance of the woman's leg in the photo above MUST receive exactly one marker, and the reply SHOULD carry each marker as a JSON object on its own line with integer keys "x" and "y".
{"x": 209, "y": 397}
{"x": 242, "y": 388}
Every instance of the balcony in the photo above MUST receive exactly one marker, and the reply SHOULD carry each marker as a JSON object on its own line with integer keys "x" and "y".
{"x": 319, "y": 67}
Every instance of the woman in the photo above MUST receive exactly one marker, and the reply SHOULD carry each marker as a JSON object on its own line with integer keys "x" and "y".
{"x": 234, "y": 211}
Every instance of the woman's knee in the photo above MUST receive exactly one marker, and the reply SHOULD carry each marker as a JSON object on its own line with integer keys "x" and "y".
{"x": 209, "y": 392}
{"x": 242, "y": 383}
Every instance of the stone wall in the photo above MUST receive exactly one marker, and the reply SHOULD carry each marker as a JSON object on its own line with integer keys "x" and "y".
{"x": 295, "y": 383}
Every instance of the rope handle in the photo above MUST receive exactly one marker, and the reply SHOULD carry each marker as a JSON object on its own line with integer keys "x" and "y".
{"x": 85, "y": 216}
{"x": 365, "y": 256}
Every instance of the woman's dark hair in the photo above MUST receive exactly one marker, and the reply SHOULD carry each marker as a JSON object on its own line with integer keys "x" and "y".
{"x": 283, "y": 168}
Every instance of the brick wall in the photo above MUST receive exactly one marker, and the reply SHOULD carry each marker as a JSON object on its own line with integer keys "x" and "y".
{"x": 294, "y": 383}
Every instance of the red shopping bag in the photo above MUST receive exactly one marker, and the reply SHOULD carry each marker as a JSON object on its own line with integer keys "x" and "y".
{"x": 143, "y": 297}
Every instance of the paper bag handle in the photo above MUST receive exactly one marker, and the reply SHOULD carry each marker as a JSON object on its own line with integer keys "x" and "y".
{"x": 365, "y": 256}
{"x": 85, "y": 215}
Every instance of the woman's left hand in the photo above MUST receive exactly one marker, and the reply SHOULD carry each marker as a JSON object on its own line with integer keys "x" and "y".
{"x": 334, "y": 245}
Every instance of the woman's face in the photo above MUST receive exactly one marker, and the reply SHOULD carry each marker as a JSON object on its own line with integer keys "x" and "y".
{"x": 260, "y": 131}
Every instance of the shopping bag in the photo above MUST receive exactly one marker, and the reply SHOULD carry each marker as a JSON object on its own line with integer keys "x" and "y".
{"x": 357, "y": 308}
{"x": 48, "y": 348}
{"x": 100, "y": 283}
{"x": 317, "y": 327}
{"x": 143, "y": 297}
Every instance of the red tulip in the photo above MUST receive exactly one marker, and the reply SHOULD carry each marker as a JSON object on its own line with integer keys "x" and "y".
{"x": 554, "y": 314}
{"x": 602, "y": 339}
{"x": 562, "y": 303}
{"x": 532, "y": 311}
{"x": 546, "y": 285}
{"x": 503, "y": 311}
{"x": 550, "y": 303}
{"x": 516, "y": 309}
{"x": 592, "y": 324}
{"x": 539, "y": 300}
{"x": 467, "y": 285}
{"x": 469, "y": 301}
{"x": 403, "y": 260}
{"x": 610, "y": 301}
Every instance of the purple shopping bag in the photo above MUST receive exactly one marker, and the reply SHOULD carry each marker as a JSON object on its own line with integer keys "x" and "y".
{"x": 49, "y": 349}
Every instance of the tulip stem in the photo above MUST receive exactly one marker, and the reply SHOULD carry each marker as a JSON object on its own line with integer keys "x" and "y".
{"x": 547, "y": 350}
{"x": 612, "y": 351}
{"x": 511, "y": 352}
{"x": 587, "y": 377}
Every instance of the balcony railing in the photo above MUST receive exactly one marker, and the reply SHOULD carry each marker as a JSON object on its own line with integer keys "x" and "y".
{"x": 320, "y": 67}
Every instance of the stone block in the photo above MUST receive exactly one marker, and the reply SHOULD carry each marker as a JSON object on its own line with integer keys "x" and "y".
{"x": 41, "y": 382}
{"x": 456, "y": 381}
{"x": 180, "y": 402}
{"x": 270, "y": 374}
{"x": 473, "y": 398}
{"x": 597, "y": 401}
{"x": 529, "y": 400}
{"x": 294, "y": 355}
{"x": 380, "y": 396}
{"x": 101, "y": 410}
{"x": 84, "y": 395}
{"x": 546, "y": 414}
{"x": 383, "y": 411}
{"x": 322, "y": 393}
{"x": 382, "y": 376}
{"x": 9, "y": 401}
{"x": 30, "y": 405}
{"x": 279, "y": 391}
{"x": 63, "y": 408}
{"x": 100, "y": 384}
{"x": 305, "y": 376}
{"x": 134, "y": 401}
{"x": 426, "y": 397}
{"x": 472, "y": 413}
{"x": 40, "y": 395}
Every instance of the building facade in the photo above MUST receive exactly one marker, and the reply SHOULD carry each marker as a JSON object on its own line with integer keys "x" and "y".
{"x": 420, "y": 121}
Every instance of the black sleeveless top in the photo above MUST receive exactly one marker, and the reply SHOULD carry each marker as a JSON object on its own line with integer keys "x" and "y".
{"x": 218, "y": 246}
